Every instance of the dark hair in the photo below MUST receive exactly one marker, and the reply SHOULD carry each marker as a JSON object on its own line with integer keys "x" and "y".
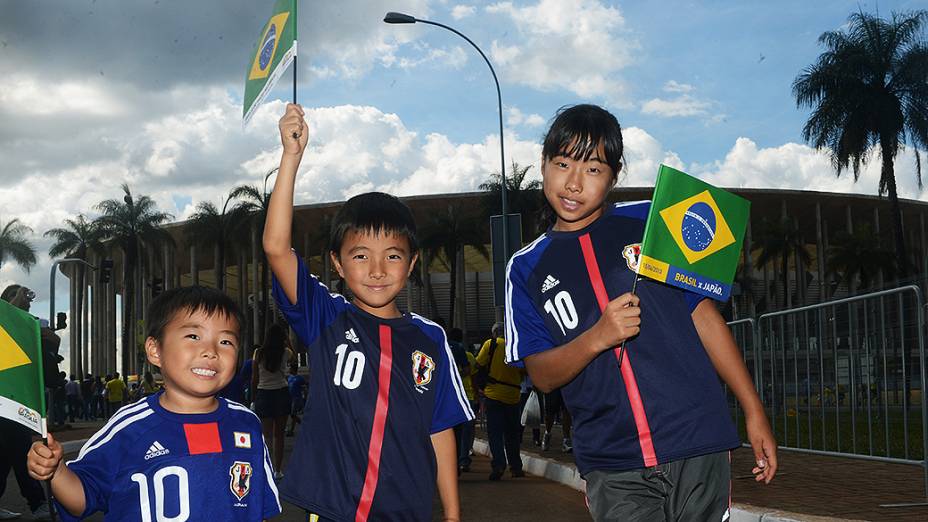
{"x": 577, "y": 131}
{"x": 9, "y": 292}
{"x": 272, "y": 351}
{"x": 190, "y": 299}
{"x": 373, "y": 212}
{"x": 456, "y": 334}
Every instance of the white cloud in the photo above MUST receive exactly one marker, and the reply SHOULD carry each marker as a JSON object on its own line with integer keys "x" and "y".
{"x": 681, "y": 106}
{"x": 455, "y": 57}
{"x": 675, "y": 86}
{"x": 459, "y": 12}
{"x": 515, "y": 117}
{"x": 577, "y": 45}
{"x": 24, "y": 95}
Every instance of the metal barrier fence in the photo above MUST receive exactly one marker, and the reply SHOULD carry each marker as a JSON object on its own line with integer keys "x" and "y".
{"x": 844, "y": 377}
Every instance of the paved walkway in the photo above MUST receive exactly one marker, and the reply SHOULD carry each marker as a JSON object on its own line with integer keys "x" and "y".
{"x": 807, "y": 487}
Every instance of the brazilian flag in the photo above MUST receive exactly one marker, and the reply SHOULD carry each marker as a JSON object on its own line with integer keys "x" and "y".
{"x": 693, "y": 235}
{"x": 272, "y": 55}
{"x": 22, "y": 386}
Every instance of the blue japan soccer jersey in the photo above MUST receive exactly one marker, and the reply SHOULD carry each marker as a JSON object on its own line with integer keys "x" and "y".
{"x": 378, "y": 389}
{"x": 150, "y": 464}
{"x": 665, "y": 403}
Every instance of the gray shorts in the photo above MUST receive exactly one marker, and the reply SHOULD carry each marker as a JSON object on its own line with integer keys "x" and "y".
{"x": 694, "y": 489}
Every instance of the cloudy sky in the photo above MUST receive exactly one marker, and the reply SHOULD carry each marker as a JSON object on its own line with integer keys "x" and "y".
{"x": 95, "y": 93}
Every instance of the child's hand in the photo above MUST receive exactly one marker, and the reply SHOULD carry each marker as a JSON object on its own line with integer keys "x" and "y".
{"x": 42, "y": 460}
{"x": 621, "y": 320}
{"x": 293, "y": 130}
{"x": 765, "y": 448}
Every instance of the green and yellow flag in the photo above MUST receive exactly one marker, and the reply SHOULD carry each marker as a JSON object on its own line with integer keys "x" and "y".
{"x": 275, "y": 50}
{"x": 22, "y": 387}
{"x": 693, "y": 235}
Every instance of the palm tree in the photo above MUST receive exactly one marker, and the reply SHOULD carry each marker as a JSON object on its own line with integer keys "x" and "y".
{"x": 778, "y": 240}
{"x": 524, "y": 198}
{"x": 131, "y": 224}
{"x": 15, "y": 246}
{"x": 860, "y": 255}
{"x": 255, "y": 202}
{"x": 220, "y": 229}
{"x": 76, "y": 240}
{"x": 869, "y": 89}
{"x": 445, "y": 235}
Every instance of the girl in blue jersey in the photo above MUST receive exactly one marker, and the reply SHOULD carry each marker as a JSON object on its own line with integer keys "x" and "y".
{"x": 652, "y": 433}
{"x": 386, "y": 394}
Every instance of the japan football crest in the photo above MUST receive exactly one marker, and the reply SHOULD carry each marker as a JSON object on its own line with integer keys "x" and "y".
{"x": 240, "y": 481}
{"x": 422, "y": 366}
{"x": 632, "y": 253}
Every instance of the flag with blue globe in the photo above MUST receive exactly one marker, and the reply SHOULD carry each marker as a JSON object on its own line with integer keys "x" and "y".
{"x": 693, "y": 235}
{"x": 275, "y": 50}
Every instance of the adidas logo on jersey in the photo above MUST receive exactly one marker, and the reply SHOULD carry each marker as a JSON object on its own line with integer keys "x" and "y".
{"x": 156, "y": 450}
{"x": 550, "y": 282}
{"x": 351, "y": 336}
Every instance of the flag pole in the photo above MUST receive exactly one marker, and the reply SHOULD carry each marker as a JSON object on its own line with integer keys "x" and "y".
{"x": 622, "y": 346}
{"x": 296, "y": 51}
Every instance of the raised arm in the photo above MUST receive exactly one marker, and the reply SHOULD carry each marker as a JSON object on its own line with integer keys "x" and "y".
{"x": 726, "y": 357}
{"x": 279, "y": 222}
{"x": 558, "y": 366}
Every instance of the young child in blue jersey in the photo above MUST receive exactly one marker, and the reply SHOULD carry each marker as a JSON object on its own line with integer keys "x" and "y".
{"x": 651, "y": 437}
{"x": 384, "y": 391}
{"x": 181, "y": 453}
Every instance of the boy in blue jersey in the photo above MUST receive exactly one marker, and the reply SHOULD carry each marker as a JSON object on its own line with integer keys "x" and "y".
{"x": 384, "y": 392}
{"x": 652, "y": 434}
{"x": 180, "y": 454}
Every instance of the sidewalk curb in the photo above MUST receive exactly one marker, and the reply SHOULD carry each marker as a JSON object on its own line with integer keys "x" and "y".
{"x": 567, "y": 475}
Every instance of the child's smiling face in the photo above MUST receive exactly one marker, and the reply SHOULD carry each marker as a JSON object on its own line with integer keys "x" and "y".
{"x": 576, "y": 188}
{"x": 197, "y": 354}
{"x": 375, "y": 266}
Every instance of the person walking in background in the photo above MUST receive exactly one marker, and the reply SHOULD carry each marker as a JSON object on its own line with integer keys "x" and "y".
{"x": 87, "y": 396}
{"x": 554, "y": 408}
{"x": 502, "y": 392}
{"x": 298, "y": 386}
{"x": 272, "y": 396}
{"x": 115, "y": 394}
{"x": 72, "y": 391}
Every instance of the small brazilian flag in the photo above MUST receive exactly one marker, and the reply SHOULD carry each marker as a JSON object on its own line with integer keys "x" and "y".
{"x": 22, "y": 386}
{"x": 275, "y": 50}
{"x": 693, "y": 235}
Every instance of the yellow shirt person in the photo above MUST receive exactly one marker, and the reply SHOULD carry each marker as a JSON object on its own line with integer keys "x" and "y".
{"x": 504, "y": 381}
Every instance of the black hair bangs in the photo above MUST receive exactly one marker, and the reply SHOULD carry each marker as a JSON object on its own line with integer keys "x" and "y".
{"x": 190, "y": 300}
{"x": 577, "y": 132}
{"x": 375, "y": 213}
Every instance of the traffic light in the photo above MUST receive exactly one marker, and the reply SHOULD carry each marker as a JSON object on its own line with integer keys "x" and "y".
{"x": 106, "y": 270}
{"x": 157, "y": 286}
{"x": 61, "y": 321}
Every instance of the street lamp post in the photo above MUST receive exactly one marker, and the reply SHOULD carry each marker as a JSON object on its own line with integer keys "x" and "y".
{"x": 401, "y": 18}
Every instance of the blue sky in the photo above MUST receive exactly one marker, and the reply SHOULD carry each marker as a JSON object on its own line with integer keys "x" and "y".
{"x": 100, "y": 92}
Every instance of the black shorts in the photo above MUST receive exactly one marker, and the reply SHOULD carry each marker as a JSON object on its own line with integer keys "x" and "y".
{"x": 272, "y": 403}
{"x": 697, "y": 488}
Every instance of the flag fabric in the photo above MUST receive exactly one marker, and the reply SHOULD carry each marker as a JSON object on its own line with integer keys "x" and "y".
{"x": 693, "y": 235}
{"x": 275, "y": 49}
{"x": 22, "y": 386}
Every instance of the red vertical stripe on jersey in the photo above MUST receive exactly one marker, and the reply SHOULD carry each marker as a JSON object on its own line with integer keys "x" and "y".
{"x": 380, "y": 420}
{"x": 628, "y": 376}
{"x": 203, "y": 438}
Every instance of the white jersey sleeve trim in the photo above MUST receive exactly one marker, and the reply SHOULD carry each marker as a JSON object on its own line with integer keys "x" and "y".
{"x": 91, "y": 445}
{"x": 512, "y": 334}
{"x": 456, "y": 382}
{"x": 269, "y": 474}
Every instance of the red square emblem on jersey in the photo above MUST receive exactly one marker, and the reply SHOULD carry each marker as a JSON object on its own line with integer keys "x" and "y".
{"x": 203, "y": 438}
